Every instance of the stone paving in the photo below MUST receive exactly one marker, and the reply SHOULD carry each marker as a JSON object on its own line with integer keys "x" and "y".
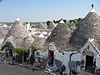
{"x": 6, "y": 69}
{"x": 87, "y": 73}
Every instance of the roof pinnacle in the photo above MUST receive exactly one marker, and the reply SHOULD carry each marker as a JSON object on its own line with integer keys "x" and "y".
{"x": 92, "y": 10}
{"x": 17, "y": 19}
{"x": 92, "y": 6}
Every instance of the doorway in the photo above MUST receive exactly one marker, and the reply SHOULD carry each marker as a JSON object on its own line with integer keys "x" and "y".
{"x": 51, "y": 57}
{"x": 89, "y": 63}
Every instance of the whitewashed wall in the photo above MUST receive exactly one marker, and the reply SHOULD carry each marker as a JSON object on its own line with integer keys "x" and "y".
{"x": 98, "y": 61}
{"x": 65, "y": 57}
{"x": 94, "y": 51}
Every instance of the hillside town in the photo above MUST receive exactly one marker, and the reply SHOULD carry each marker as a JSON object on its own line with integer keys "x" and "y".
{"x": 54, "y": 47}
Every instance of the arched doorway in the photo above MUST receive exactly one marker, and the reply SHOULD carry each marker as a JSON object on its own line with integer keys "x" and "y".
{"x": 51, "y": 58}
{"x": 89, "y": 65}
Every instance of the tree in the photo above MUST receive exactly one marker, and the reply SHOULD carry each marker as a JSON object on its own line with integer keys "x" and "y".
{"x": 9, "y": 45}
{"x": 19, "y": 51}
{"x": 54, "y": 21}
{"x": 22, "y": 53}
{"x": 33, "y": 49}
{"x": 65, "y": 21}
{"x": 75, "y": 21}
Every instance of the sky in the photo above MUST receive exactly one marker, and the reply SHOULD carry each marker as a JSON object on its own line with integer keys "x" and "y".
{"x": 43, "y": 10}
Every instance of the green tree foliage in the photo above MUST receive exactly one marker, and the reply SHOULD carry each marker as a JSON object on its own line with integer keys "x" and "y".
{"x": 9, "y": 45}
{"x": 16, "y": 50}
{"x": 35, "y": 47}
{"x": 75, "y": 21}
{"x": 20, "y": 51}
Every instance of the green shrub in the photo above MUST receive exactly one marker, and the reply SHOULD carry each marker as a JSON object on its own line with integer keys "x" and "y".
{"x": 35, "y": 47}
{"x": 20, "y": 51}
{"x": 9, "y": 45}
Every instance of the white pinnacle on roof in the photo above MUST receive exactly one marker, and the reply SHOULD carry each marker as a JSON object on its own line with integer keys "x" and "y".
{"x": 41, "y": 35}
{"x": 92, "y": 10}
{"x": 61, "y": 21}
{"x": 90, "y": 39}
{"x": 18, "y": 29}
{"x": 17, "y": 19}
{"x": 28, "y": 27}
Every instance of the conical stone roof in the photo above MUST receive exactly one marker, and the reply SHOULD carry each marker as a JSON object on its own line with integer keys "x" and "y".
{"x": 89, "y": 28}
{"x": 2, "y": 33}
{"x": 39, "y": 41}
{"x": 27, "y": 41}
{"x": 23, "y": 43}
{"x": 18, "y": 30}
{"x": 60, "y": 37}
{"x": 2, "y": 36}
{"x": 42, "y": 26}
{"x": 19, "y": 35}
{"x": 50, "y": 25}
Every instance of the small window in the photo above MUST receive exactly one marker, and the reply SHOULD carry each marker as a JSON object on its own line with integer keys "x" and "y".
{"x": 37, "y": 53}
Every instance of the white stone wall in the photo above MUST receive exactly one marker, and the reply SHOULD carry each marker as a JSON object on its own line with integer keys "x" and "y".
{"x": 64, "y": 57}
{"x": 95, "y": 53}
{"x": 98, "y": 61}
